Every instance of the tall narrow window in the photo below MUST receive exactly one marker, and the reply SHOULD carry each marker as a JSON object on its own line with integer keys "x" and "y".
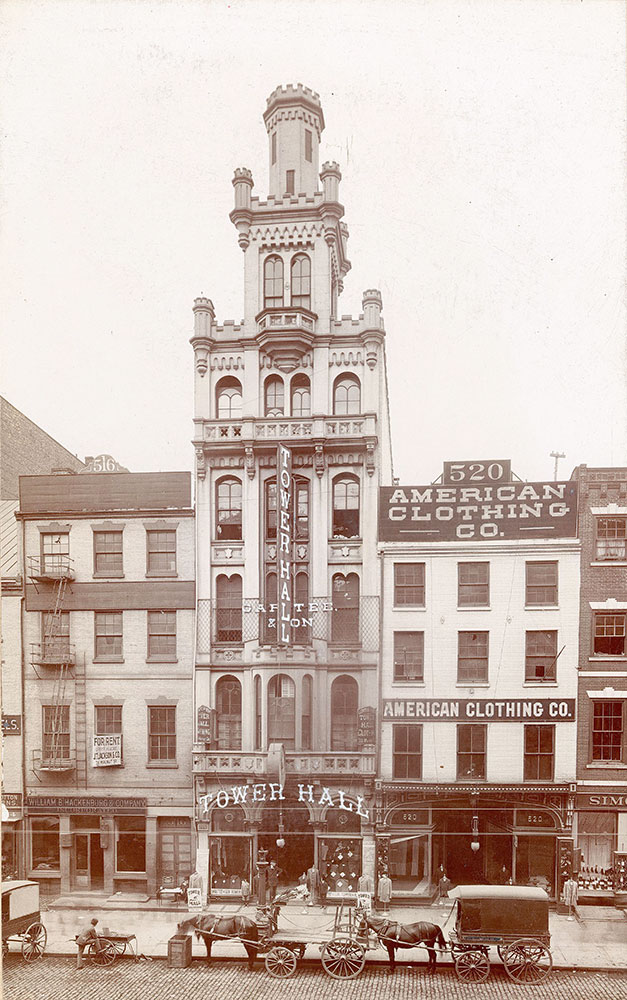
{"x": 289, "y": 181}
{"x": 108, "y": 553}
{"x": 274, "y": 396}
{"x": 609, "y": 635}
{"x": 607, "y": 730}
{"x": 301, "y": 281}
{"x": 409, "y": 648}
{"x": 540, "y": 655}
{"x": 305, "y": 722}
{"x": 162, "y": 636}
{"x": 472, "y": 657}
{"x": 473, "y": 584}
{"x": 55, "y": 552}
{"x": 282, "y": 711}
{"x": 229, "y": 706}
{"x": 161, "y": 553}
{"x": 345, "y": 507}
{"x": 301, "y": 396}
{"x": 409, "y": 585}
{"x": 272, "y": 283}
{"x": 108, "y": 635}
{"x": 162, "y": 733}
{"x": 107, "y": 720}
{"x": 346, "y": 396}
{"x": 229, "y": 398}
{"x": 471, "y": 751}
{"x": 345, "y": 614}
{"x": 308, "y": 145}
{"x": 55, "y": 637}
{"x": 269, "y": 629}
{"x": 270, "y": 508}
{"x": 344, "y": 707}
{"x": 301, "y": 523}
{"x": 539, "y": 753}
{"x": 56, "y": 734}
{"x": 274, "y": 147}
{"x": 302, "y": 634}
{"x": 541, "y": 583}
{"x": 612, "y": 538}
{"x": 407, "y": 753}
{"x": 229, "y": 608}
{"x": 258, "y": 713}
{"x": 229, "y": 509}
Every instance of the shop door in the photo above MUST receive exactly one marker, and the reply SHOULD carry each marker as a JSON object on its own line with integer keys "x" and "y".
{"x": 87, "y": 862}
{"x": 96, "y": 862}
{"x": 175, "y": 854}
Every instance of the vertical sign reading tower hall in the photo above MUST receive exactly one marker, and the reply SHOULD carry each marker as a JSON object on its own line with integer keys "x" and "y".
{"x": 284, "y": 548}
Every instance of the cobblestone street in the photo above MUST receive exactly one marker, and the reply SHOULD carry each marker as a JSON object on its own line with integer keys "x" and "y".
{"x": 58, "y": 979}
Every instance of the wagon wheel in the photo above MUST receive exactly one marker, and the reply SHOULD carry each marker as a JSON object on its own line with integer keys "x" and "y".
{"x": 34, "y": 942}
{"x": 104, "y": 955}
{"x": 502, "y": 948}
{"x": 472, "y": 965}
{"x": 527, "y": 961}
{"x": 343, "y": 958}
{"x": 280, "y": 962}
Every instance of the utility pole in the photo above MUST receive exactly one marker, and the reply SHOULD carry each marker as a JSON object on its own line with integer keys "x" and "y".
{"x": 556, "y": 455}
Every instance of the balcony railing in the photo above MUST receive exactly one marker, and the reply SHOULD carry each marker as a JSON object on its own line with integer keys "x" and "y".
{"x": 320, "y": 618}
{"x": 306, "y": 764}
{"x": 53, "y": 653}
{"x": 54, "y": 759}
{"x": 286, "y": 319}
{"x": 250, "y": 429}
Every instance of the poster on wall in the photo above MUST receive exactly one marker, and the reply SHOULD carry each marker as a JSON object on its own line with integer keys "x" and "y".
{"x": 107, "y": 750}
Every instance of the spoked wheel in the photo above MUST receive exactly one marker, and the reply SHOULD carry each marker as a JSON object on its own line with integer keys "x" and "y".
{"x": 527, "y": 961}
{"x": 104, "y": 955}
{"x": 343, "y": 958}
{"x": 502, "y": 948}
{"x": 280, "y": 962}
{"x": 472, "y": 966}
{"x": 34, "y": 942}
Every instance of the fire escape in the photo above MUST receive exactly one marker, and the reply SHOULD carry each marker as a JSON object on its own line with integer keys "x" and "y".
{"x": 53, "y": 659}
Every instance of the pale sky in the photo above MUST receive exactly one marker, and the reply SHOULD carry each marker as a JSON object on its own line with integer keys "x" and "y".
{"x": 482, "y": 146}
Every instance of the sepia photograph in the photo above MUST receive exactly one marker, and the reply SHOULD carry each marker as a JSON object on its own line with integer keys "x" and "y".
{"x": 313, "y": 498}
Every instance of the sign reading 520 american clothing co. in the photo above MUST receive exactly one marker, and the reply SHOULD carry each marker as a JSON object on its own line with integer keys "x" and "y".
{"x": 480, "y": 710}
{"x": 477, "y": 513}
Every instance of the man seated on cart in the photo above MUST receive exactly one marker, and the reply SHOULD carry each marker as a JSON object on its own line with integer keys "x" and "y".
{"x": 86, "y": 936}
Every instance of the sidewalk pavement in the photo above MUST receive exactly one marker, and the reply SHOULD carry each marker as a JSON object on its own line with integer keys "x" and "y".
{"x": 597, "y": 941}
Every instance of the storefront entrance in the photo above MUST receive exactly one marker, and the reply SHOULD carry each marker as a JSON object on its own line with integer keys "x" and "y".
{"x": 87, "y": 862}
{"x": 455, "y": 833}
{"x": 288, "y": 822}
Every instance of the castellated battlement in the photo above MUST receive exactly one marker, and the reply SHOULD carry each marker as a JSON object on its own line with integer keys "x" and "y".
{"x": 242, "y": 174}
{"x": 297, "y": 200}
{"x": 293, "y": 92}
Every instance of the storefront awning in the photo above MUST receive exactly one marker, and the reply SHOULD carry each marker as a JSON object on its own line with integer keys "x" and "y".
{"x": 464, "y": 788}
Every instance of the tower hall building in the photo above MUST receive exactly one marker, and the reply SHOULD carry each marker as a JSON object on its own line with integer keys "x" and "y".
{"x": 287, "y": 641}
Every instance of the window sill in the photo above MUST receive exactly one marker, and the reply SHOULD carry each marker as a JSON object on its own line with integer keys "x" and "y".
{"x": 608, "y": 658}
{"x": 345, "y": 538}
{"x": 470, "y": 781}
{"x": 609, "y": 562}
{"x": 472, "y": 684}
{"x": 234, "y": 645}
{"x": 108, "y": 659}
{"x": 540, "y": 683}
{"x": 39, "y": 873}
{"x": 542, "y": 607}
{"x": 474, "y": 607}
{"x": 232, "y": 541}
{"x": 405, "y": 681}
{"x": 162, "y": 763}
{"x": 130, "y": 875}
{"x": 108, "y": 576}
{"x": 409, "y": 607}
{"x": 607, "y": 765}
{"x": 161, "y": 576}
{"x": 161, "y": 659}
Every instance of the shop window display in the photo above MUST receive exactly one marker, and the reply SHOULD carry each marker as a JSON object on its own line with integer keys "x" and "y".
{"x": 339, "y": 862}
{"x": 596, "y": 836}
{"x": 535, "y": 862}
{"x": 131, "y": 844}
{"x": 45, "y": 843}
{"x": 229, "y": 853}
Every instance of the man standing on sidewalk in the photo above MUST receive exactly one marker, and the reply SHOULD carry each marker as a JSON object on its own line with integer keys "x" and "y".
{"x": 86, "y": 936}
{"x": 571, "y": 897}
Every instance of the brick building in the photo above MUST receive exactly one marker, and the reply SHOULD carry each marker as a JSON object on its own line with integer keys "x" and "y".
{"x": 28, "y": 450}
{"x": 287, "y": 699}
{"x": 601, "y": 820}
{"x": 108, "y": 638}
{"x": 478, "y": 679}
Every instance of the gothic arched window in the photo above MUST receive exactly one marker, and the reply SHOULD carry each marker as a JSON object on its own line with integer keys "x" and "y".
{"x": 229, "y": 707}
{"x": 300, "y": 283}
{"x": 345, "y": 507}
{"x": 229, "y": 398}
{"x": 282, "y": 711}
{"x": 344, "y": 705}
{"x": 346, "y": 396}
{"x": 274, "y": 396}
{"x": 229, "y": 608}
{"x": 272, "y": 283}
{"x": 345, "y": 620}
{"x": 300, "y": 391}
{"x": 228, "y": 509}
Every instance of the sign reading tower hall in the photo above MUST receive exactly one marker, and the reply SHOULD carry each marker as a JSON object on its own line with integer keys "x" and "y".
{"x": 477, "y": 512}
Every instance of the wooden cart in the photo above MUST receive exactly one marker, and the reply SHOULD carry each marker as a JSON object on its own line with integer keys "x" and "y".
{"x": 343, "y": 956}
{"x": 21, "y": 919}
{"x": 514, "y": 919}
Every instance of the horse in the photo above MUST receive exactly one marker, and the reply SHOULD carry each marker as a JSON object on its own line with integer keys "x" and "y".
{"x": 214, "y": 927}
{"x": 393, "y": 935}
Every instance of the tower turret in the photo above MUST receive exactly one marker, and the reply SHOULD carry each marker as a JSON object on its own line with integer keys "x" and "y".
{"x": 294, "y": 123}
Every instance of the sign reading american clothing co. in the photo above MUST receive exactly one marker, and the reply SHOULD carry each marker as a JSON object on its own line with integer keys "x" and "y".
{"x": 84, "y": 804}
{"x": 480, "y": 710}
{"x": 477, "y": 513}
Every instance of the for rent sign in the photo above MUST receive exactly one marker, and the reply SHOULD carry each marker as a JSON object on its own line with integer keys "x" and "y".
{"x": 443, "y": 513}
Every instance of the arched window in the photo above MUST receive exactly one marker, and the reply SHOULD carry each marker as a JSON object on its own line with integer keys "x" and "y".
{"x": 274, "y": 396}
{"x": 345, "y": 507}
{"x": 300, "y": 282}
{"x": 345, "y": 620}
{"x": 269, "y": 622}
{"x": 272, "y": 283}
{"x": 300, "y": 391}
{"x": 302, "y": 634}
{"x": 270, "y": 508}
{"x": 229, "y": 398}
{"x": 346, "y": 395}
{"x": 282, "y": 711}
{"x": 307, "y": 706}
{"x": 229, "y": 608}
{"x": 344, "y": 705}
{"x": 258, "y": 712}
{"x": 228, "y": 509}
{"x": 229, "y": 708}
{"x": 301, "y": 492}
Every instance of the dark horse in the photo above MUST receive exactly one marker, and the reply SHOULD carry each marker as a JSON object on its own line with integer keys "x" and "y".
{"x": 213, "y": 927}
{"x": 394, "y": 935}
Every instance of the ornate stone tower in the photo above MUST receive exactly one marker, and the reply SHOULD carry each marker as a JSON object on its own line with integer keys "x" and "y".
{"x": 300, "y": 714}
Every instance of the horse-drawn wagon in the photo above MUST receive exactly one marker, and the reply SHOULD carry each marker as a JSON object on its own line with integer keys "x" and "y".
{"x": 513, "y": 918}
{"x": 21, "y": 919}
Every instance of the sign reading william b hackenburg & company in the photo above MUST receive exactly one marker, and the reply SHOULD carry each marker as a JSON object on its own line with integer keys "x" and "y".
{"x": 448, "y": 513}
{"x": 284, "y": 547}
